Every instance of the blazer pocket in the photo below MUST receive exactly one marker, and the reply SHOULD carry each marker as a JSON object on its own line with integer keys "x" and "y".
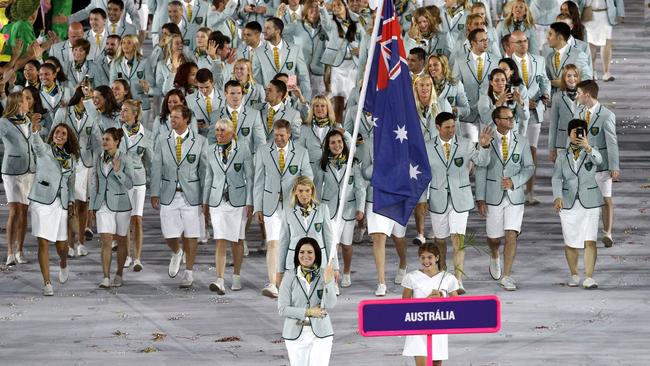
{"x": 240, "y": 187}
{"x": 119, "y": 194}
{"x": 490, "y": 180}
{"x": 192, "y": 181}
{"x": 14, "y": 156}
{"x": 596, "y": 187}
{"x": 465, "y": 186}
{"x": 44, "y": 183}
{"x": 166, "y": 180}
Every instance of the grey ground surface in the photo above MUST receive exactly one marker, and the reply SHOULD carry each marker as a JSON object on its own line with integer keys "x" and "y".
{"x": 543, "y": 322}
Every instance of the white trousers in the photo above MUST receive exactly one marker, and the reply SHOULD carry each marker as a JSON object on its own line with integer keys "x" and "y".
{"x": 309, "y": 350}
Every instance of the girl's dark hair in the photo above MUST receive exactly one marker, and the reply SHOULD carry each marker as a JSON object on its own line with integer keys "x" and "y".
{"x": 126, "y": 86}
{"x": 324, "y": 160}
{"x": 116, "y": 134}
{"x": 71, "y": 146}
{"x": 164, "y": 110}
{"x": 36, "y": 95}
{"x": 181, "y": 80}
{"x": 430, "y": 248}
{"x": 77, "y": 97}
{"x": 110, "y": 104}
{"x": 317, "y": 252}
{"x": 34, "y": 63}
{"x": 60, "y": 75}
{"x": 578, "y": 31}
{"x": 515, "y": 79}
{"x": 490, "y": 91}
{"x": 352, "y": 27}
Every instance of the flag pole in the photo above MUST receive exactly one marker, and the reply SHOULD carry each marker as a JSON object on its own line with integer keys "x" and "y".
{"x": 357, "y": 119}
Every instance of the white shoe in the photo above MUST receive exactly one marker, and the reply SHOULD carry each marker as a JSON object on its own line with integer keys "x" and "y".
{"x": 574, "y": 281}
{"x": 63, "y": 274}
{"x": 358, "y": 235}
{"x": 419, "y": 240}
{"x": 400, "y": 276}
{"x": 589, "y": 283}
{"x": 117, "y": 281}
{"x": 88, "y": 233}
{"x": 187, "y": 280}
{"x": 137, "y": 265}
{"x": 114, "y": 246}
{"x": 608, "y": 77}
{"x": 246, "y": 251}
{"x": 346, "y": 280}
{"x": 495, "y": 268}
{"x": 218, "y": 287}
{"x": 20, "y": 258}
{"x": 128, "y": 262}
{"x": 71, "y": 253}
{"x": 175, "y": 263}
{"x": 508, "y": 283}
{"x": 461, "y": 288}
{"x": 106, "y": 283}
{"x": 236, "y": 283}
{"x": 531, "y": 199}
{"x": 48, "y": 290}
{"x": 270, "y": 291}
{"x": 81, "y": 250}
{"x": 381, "y": 290}
{"x": 11, "y": 260}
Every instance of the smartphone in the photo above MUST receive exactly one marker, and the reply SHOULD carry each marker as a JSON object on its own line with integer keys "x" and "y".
{"x": 509, "y": 88}
{"x": 291, "y": 82}
{"x": 580, "y": 132}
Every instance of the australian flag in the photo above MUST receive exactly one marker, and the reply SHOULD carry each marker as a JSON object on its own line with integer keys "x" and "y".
{"x": 401, "y": 168}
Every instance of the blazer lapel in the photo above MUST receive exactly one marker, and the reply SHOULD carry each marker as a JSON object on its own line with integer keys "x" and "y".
{"x": 275, "y": 157}
{"x": 594, "y": 118}
{"x": 439, "y": 150}
{"x": 232, "y": 154}
{"x": 453, "y": 153}
{"x": 189, "y": 139}
{"x": 533, "y": 69}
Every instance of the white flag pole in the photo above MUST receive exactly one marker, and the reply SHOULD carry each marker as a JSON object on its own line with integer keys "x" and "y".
{"x": 338, "y": 221}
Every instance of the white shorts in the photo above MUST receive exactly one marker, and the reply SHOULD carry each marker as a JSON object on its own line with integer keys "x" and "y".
{"x": 49, "y": 222}
{"x": 382, "y": 224}
{"x": 228, "y": 223}
{"x": 17, "y": 187}
{"x": 136, "y": 196}
{"x": 273, "y": 225}
{"x": 598, "y": 30}
{"x": 345, "y": 235}
{"x": 449, "y": 222}
{"x": 343, "y": 79}
{"x": 579, "y": 224}
{"x": 417, "y": 346}
{"x": 505, "y": 216}
{"x": 179, "y": 218}
{"x": 604, "y": 180}
{"x": 81, "y": 174}
{"x": 533, "y": 133}
{"x": 109, "y": 222}
{"x": 469, "y": 130}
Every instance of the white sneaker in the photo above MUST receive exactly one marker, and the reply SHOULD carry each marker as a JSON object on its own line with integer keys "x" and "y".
{"x": 246, "y": 251}
{"x": 495, "y": 268}
{"x": 106, "y": 283}
{"x": 461, "y": 288}
{"x": 589, "y": 283}
{"x": 63, "y": 274}
{"x": 381, "y": 290}
{"x": 419, "y": 240}
{"x": 218, "y": 287}
{"x": 358, "y": 235}
{"x": 81, "y": 250}
{"x": 71, "y": 253}
{"x": 187, "y": 280}
{"x": 608, "y": 77}
{"x": 117, "y": 281}
{"x": 137, "y": 265}
{"x": 508, "y": 283}
{"x": 114, "y": 246}
{"x": 11, "y": 260}
{"x": 175, "y": 263}
{"x": 531, "y": 199}
{"x": 48, "y": 290}
{"x": 20, "y": 258}
{"x": 574, "y": 281}
{"x": 270, "y": 291}
{"x": 128, "y": 262}
{"x": 236, "y": 283}
{"x": 400, "y": 276}
{"x": 346, "y": 280}
{"x": 88, "y": 233}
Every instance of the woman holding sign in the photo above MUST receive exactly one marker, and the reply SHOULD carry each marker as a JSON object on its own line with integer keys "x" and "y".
{"x": 428, "y": 282}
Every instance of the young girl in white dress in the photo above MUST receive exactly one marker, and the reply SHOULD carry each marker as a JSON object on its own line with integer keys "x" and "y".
{"x": 428, "y": 282}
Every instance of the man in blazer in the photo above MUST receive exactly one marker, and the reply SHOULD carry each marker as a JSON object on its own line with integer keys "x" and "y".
{"x": 277, "y": 164}
{"x": 81, "y": 67}
{"x": 564, "y": 54}
{"x": 500, "y": 192}
{"x": 246, "y": 121}
{"x": 473, "y": 71}
{"x": 276, "y": 109}
{"x": 277, "y": 56}
{"x": 175, "y": 14}
{"x": 97, "y": 33}
{"x": 116, "y": 24}
{"x": 450, "y": 192}
{"x": 532, "y": 70}
{"x": 109, "y": 52}
{"x": 176, "y": 175}
{"x": 63, "y": 50}
{"x": 572, "y": 41}
{"x": 205, "y": 104}
{"x": 131, "y": 9}
{"x": 602, "y": 136}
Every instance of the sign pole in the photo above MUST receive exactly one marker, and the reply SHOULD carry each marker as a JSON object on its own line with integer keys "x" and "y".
{"x": 429, "y": 351}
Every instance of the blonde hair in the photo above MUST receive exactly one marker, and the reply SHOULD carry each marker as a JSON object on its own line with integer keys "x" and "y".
{"x": 330, "y": 110}
{"x": 528, "y": 19}
{"x": 168, "y": 47}
{"x": 136, "y": 107}
{"x": 434, "y": 22}
{"x": 302, "y": 180}
{"x": 249, "y": 67}
{"x": 433, "y": 102}
{"x": 136, "y": 42}
{"x": 446, "y": 70}
{"x": 225, "y": 123}
{"x": 13, "y": 104}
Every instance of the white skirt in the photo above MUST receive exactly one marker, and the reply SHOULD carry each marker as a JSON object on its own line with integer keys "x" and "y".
{"x": 81, "y": 174}
{"x": 49, "y": 222}
{"x": 599, "y": 30}
{"x": 17, "y": 187}
{"x": 579, "y": 224}
{"x": 343, "y": 79}
{"x": 228, "y": 222}
{"x": 417, "y": 346}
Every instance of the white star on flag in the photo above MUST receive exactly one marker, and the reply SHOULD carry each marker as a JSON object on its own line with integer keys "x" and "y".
{"x": 413, "y": 171}
{"x": 374, "y": 120}
{"x": 401, "y": 133}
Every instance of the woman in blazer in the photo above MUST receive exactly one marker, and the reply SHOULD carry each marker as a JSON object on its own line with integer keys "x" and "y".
{"x": 228, "y": 191}
{"x": 173, "y": 57}
{"x": 578, "y": 200}
{"x": 162, "y": 125}
{"x": 103, "y": 108}
{"x": 121, "y": 91}
{"x": 304, "y": 217}
{"x": 254, "y": 94}
{"x": 17, "y": 173}
{"x": 447, "y": 88}
{"x": 426, "y": 33}
{"x": 50, "y": 196}
{"x": 502, "y": 93}
{"x": 563, "y": 107}
{"x": 520, "y": 18}
{"x": 110, "y": 201}
{"x": 138, "y": 146}
{"x": 331, "y": 171}
{"x": 35, "y": 111}
{"x": 307, "y": 293}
